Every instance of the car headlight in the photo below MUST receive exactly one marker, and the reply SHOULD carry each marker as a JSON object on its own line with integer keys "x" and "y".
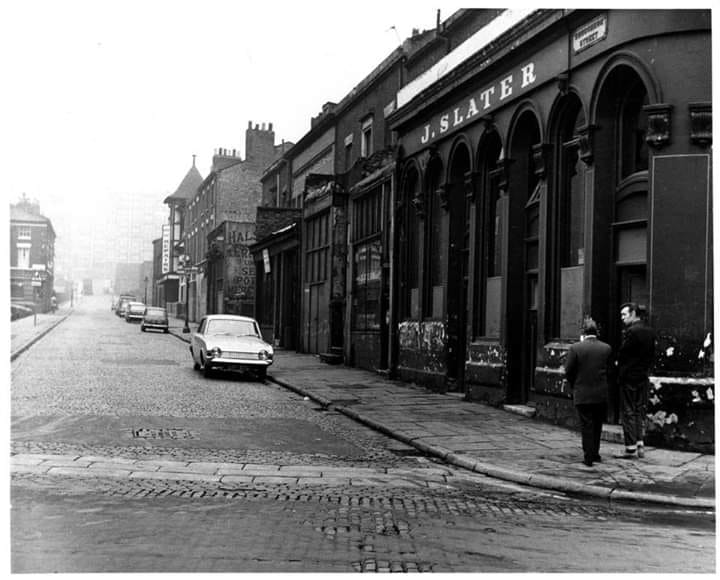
{"x": 214, "y": 352}
{"x": 265, "y": 355}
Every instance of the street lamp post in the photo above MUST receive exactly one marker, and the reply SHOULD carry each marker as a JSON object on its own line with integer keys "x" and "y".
{"x": 146, "y": 281}
{"x": 186, "y": 260}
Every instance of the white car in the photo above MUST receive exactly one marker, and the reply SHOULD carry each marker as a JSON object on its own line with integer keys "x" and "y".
{"x": 229, "y": 342}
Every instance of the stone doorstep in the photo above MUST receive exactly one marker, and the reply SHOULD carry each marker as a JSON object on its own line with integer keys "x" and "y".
{"x": 612, "y": 434}
{"x": 524, "y": 410}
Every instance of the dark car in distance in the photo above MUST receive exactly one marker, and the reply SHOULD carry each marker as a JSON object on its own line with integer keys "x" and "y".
{"x": 154, "y": 317}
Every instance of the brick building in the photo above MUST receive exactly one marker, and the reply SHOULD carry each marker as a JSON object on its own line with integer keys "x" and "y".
{"x": 172, "y": 244}
{"x": 32, "y": 255}
{"x": 230, "y": 193}
{"x": 553, "y": 166}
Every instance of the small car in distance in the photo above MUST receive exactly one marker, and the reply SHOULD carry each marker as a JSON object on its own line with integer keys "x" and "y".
{"x": 154, "y": 317}
{"x": 122, "y": 307}
{"x": 134, "y": 311}
{"x": 230, "y": 342}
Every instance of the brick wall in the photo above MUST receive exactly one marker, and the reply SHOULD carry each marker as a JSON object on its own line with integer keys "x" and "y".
{"x": 272, "y": 219}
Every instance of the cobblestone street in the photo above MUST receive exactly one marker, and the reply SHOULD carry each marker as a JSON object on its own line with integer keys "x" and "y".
{"x": 124, "y": 459}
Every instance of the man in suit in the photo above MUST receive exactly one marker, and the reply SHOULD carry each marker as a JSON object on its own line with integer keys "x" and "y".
{"x": 586, "y": 370}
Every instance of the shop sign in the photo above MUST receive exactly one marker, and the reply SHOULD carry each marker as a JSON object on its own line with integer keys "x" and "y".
{"x": 589, "y": 34}
{"x": 266, "y": 260}
{"x": 165, "y": 248}
{"x": 479, "y": 103}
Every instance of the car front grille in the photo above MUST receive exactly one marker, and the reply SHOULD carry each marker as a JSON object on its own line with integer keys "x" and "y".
{"x": 239, "y": 355}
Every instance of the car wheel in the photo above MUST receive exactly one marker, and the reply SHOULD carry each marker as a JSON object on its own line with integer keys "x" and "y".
{"x": 261, "y": 374}
{"x": 165, "y": 330}
{"x": 142, "y": 328}
{"x": 206, "y": 368}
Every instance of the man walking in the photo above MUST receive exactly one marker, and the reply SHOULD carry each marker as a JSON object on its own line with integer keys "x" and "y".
{"x": 586, "y": 370}
{"x": 635, "y": 357}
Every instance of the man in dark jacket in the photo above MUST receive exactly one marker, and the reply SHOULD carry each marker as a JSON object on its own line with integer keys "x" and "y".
{"x": 586, "y": 370}
{"x": 635, "y": 357}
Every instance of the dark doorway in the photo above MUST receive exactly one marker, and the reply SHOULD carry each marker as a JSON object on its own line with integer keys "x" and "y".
{"x": 525, "y": 191}
{"x": 458, "y": 193}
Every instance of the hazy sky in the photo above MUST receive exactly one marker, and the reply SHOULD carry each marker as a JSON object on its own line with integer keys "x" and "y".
{"x": 108, "y": 97}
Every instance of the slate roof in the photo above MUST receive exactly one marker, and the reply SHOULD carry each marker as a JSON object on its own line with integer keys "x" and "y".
{"x": 18, "y": 214}
{"x": 188, "y": 186}
{"x": 22, "y": 215}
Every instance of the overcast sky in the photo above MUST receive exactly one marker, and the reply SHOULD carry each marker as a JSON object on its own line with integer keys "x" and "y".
{"x": 103, "y": 97}
{"x": 112, "y": 97}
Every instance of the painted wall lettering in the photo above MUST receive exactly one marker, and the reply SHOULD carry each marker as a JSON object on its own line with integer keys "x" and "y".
{"x": 487, "y": 98}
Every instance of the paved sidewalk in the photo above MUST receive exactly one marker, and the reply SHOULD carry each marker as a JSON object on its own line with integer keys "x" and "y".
{"x": 493, "y": 441}
{"x": 25, "y": 332}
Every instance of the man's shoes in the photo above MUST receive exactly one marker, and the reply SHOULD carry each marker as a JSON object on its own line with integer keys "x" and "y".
{"x": 597, "y": 459}
{"x": 587, "y": 462}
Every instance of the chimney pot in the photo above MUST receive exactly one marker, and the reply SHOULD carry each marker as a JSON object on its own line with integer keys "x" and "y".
{"x": 270, "y": 127}
{"x": 249, "y": 124}
{"x": 257, "y": 126}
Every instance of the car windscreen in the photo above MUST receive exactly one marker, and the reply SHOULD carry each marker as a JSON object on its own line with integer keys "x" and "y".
{"x": 137, "y": 308}
{"x": 231, "y": 327}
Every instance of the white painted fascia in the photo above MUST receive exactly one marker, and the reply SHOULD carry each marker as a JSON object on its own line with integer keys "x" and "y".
{"x": 482, "y": 38}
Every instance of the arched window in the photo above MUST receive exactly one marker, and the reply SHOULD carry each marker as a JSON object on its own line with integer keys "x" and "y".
{"x": 568, "y": 278}
{"x": 488, "y": 266}
{"x": 434, "y": 297}
{"x": 631, "y": 198}
{"x": 411, "y": 250}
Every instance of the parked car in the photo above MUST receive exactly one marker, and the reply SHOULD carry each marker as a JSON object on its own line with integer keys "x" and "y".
{"x": 116, "y": 302}
{"x": 154, "y": 317}
{"x": 122, "y": 307}
{"x": 134, "y": 311}
{"x": 229, "y": 342}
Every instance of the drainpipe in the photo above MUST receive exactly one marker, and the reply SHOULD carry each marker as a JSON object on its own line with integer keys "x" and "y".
{"x": 392, "y": 316}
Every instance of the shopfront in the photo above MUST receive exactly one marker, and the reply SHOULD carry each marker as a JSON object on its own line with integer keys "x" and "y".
{"x": 560, "y": 171}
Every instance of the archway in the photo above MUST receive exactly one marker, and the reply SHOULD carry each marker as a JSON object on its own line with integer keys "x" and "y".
{"x": 523, "y": 259}
{"x": 621, "y": 205}
{"x": 458, "y": 199}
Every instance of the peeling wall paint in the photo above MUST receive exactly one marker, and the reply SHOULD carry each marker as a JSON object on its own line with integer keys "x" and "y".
{"x": 423, "y": 345}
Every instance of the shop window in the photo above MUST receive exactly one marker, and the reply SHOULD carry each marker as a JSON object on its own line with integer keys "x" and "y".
{"x": 317, "y": 248}
{"x": 633, "y": 124}
{"x": 631, "y": 199}
{"x": 435, "y": 297}
{"x": 488, "y": 263}
{"x": 367, "y": 261}
{"x": 567, "y": 272}
{"x": 410, "y": 235}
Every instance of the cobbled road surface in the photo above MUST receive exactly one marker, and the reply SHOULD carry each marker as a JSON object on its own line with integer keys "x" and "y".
{"x": 124, "y": 459}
